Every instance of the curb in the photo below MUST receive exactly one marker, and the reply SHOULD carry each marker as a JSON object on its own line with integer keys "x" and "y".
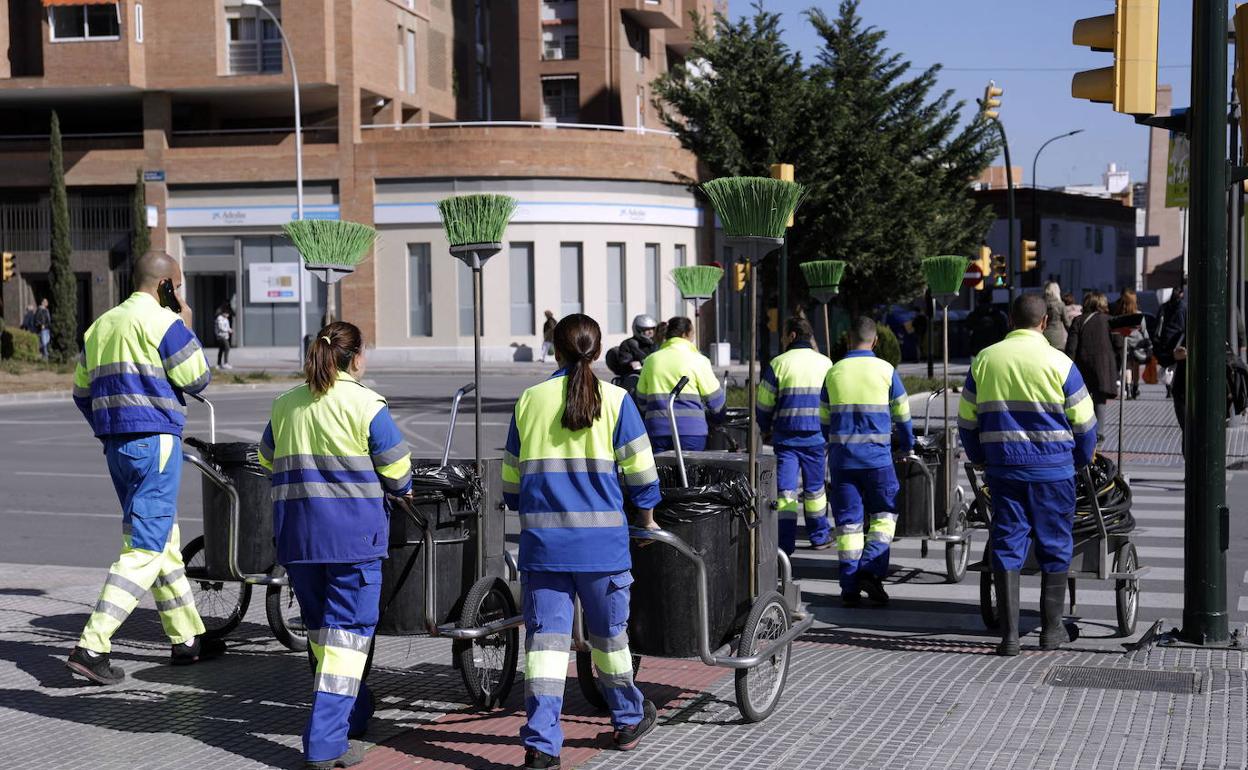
{"x": 51, "y": 396}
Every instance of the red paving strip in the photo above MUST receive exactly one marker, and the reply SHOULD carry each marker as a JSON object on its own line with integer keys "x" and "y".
{"x": 491, "y": 741}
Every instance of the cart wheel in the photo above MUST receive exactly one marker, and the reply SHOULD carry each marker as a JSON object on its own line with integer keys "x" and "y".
{"x": 488, "y": 665}
{"x": 285, "y": 618}
{"x": 221, "y": 603}
{"x": 1126, "y": 592}
{"x": 759, "y": 688}
{"x": 957, "y": 555}
{"x": 988, "y": 601}
{"x": 588, "y": 680}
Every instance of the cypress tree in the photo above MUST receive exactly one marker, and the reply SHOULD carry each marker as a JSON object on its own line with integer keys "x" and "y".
{"x": 141, "y": 237}
{"x": 64, "y": 299}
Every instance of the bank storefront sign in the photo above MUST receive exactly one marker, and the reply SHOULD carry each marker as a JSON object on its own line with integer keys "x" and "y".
{"x": 245, "y": 216}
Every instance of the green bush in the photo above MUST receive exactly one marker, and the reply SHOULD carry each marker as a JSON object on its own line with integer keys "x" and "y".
{"x": 19, "y": 345}
{"x": 887, "y": 347}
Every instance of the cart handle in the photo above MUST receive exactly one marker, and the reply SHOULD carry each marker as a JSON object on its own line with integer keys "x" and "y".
{"x": 225, "y": 485}
{"x": 671, "y": 418}
{"x": 212, "y": 416}
{"x": 927, "y": 411}
{"x": 450, "y": 431}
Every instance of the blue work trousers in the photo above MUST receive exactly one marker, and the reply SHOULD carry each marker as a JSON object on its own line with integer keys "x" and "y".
{"x": 340, "y": 604}
{"x": 687, "y": 443}
{"x": 548, "y": 607}
{"x": 1027, "y": 511}
{"x": 859, "y": 494}
{"x": 801, "y": 469}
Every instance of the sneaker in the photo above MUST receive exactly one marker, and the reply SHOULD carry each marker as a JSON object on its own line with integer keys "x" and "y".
{"x": 874, "y": 587}
{"x": 535, "y": 759}
{"x": 627, "y": 738}
{"x": 94, "y": 666}
{"x": 353, "y": 756}
{"x": 197, "y": 650}
{"x": 821, "y": 546}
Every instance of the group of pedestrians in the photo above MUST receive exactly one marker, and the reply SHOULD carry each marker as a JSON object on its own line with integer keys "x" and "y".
{"x": 38, "y": 321}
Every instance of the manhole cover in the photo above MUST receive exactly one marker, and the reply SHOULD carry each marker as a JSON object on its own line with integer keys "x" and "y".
{"x": 1094, "y": 678}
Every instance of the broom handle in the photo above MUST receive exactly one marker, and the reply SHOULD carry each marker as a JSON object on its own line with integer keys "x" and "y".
{"x": 331, "y": 306}
{"x": 827, "y": 328}
{"x": 946, "y": 440}
{"x": 753, "y": 379}
{"x": 476, "y": 423}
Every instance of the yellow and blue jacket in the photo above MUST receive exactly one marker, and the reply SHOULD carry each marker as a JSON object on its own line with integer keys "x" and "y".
{"x": 1025, "y": 413}
{"x": 136, "y": 362}
{"x": 701, "y": 397}
{"x": 789, "y": 396}
{"x": 566, "y": 484}
{"x": 333, "y": 459}
{"x": 863, "y": 401}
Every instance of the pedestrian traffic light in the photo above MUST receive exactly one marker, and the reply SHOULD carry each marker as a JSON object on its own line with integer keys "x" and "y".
{"x": 783, "y": 172}
{"x": 9, "y": 267}
{"x": 741, "y": 275}
{"x": 991, "y": 101}
{"x": 1028, "y": 252}
{"x": 1130, "y": 33}
{"x": 1000, "y": 270}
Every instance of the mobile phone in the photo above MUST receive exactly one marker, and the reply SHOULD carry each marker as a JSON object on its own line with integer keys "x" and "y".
{"x": 168, "y": 297}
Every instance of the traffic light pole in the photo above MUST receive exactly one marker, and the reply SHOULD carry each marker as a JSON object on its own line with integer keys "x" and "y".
{"x": 1206, "y": 517}
{"x": 1011, "y": 270}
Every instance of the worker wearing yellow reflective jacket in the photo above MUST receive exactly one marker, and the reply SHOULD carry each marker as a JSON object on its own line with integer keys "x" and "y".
{"x": 138, "y": 360}
{"x": 864, "y": 401}
{"x": 701, "y": 398}
{"x": 1026, "y": 417}
{"x": 571, "y": 442}
{"x": 788, "y": 409}
{"x": 335, "y": 452}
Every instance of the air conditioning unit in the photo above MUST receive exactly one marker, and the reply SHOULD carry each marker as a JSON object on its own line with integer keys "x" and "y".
{"x": 554, "y": 54}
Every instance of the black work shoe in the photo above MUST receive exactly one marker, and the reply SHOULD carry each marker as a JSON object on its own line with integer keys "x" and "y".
{"x": 535, "y": 759}
{"x": 874, "y": 588}
{"x": 821, "y": 546}
{"x": 94, "y": 666}
{"x": 853, "y": 599}
{"x": 353, "y": 756}
{"x": 627, "y": 738}
{"x": 199, "y": 650}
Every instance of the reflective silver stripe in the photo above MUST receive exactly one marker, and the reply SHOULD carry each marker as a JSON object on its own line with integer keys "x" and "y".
{"x": 966, "y": 424}
{"x": 171, "y": 578}
{"x": 548, "y": 642}
{"x": 636, "y": 446}
{"x": 304, "y": 489}
{"x": 1077, "y": 396}
{"x": 800, "y": 391}
{"x": 128, "y": 367}
{"x": 551, "y": 688}
{"x": 199, "y": 383}
{"x": 82, "y": 392}
{"x": 567, "y": 465}
{"x": 875, "y": 536}
{"x": 571, "y": 519}
{"x": 392, "y": 455}
{"x": 136, "y": 399}
{"x": 266, "y": 451}
{"x": 188, "y": 350}
{"x": 344, "y": 640}
{"x": 112, "y": 610}
{"x": 641, "y": 478}
{"x": 615, "y": 681}
{"x": 1003, "y": 436}
{"x": 788, "y": 515}
{"x": 1021, "y": 406}
{"x": 806, "y": 411}
{"x": 609, "y": 643}
{"x": 853, "y": 555}
{"x": 1084, "y": 427}
{"x": 767, "y": 386}
{"x": 336, "y": 684}
{"x": 511, "y": 487}
{"x": 125, "y": 584}
{"x": 903, "y": 417}
{"x": 168, "y": 605}
{"x": 714, "y": 394}
{"x": 857, "y": 408}
{"x": 860, "y": 438}
{"x": 970, "y": 396}
{"x": 849, "y": 529}
{"x": 510, "y": 459}
{"x": 655, "y": 414}
{"x": 884, "y": 517}
{"x": 395, "y": 485}
{"x": 321, "y": 463}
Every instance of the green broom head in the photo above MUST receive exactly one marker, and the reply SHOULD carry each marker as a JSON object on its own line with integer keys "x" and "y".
{"x": 823, "y": 274}
{"x": 472, "y": 219}
{"x": 753, "y": 206}
{"x": 944, "y": 274}
{"x": 331, "y": 242}
{"x": 697, "y": 281}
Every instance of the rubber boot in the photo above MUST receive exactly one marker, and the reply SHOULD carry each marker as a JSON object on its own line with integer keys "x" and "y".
{"x": 1007, "y": 611}
{"x": 1053, "y": 631}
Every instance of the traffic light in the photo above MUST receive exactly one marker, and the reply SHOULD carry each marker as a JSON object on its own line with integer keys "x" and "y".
{"x": 1028, "y": 252}
{"x": 741, "y": 275}
{"x": 783, "y": 172}
{"x": 1000, "y": 270}
{"x": 9, "y": 267}
{"x": 991, "y": 101}
{"x": 773, "y": 320}
{"x": 1130, "y": 33}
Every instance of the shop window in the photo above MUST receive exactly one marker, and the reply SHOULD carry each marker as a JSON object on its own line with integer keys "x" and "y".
{"x": 616, "y": 281}
{"x": 522, "y": 315}
{"x": 654, "y": 280}
{"x": 679, "y": 256}
{"x": 419, "y": 290}
{"x": 571, "y": 291}
{"x": 98, "y": 21}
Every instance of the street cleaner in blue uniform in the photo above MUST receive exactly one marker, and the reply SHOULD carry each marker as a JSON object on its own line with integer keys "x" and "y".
{"x": 702, "y": 396}
{"x": 788, "y": 409}
{"x": 572, "y": 441}
{"x": 864, "y": 401}
{"x": 335, "y": 453}
{"x": 138, "y": 360}
{"x": 1026, "y": 418}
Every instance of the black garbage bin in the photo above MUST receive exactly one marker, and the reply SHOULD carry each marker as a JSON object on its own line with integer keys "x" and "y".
{"x": 708, "y": 516}
{"x": 914, "y": 492}
{"x": 238, "y": 461}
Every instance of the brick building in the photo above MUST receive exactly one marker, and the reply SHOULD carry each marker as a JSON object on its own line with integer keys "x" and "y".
{"x": 404, "y": 102}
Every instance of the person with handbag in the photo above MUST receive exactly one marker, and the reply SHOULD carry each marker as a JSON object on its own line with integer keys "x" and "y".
{"x": 1095, "y": 352}
{"x": 1139, "y": 345}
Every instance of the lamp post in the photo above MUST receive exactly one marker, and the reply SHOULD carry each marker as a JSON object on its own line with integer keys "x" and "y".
{"x": 294, "y": 78}
{"x": 1035, "y": 198}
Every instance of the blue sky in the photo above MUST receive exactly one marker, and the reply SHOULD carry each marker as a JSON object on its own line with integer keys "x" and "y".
{"x": 1025, "y": 45}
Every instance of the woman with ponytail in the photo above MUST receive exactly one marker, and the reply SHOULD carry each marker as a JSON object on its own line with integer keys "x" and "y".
{"x": 335, "y": 453}
{"x": 571, "y": 439}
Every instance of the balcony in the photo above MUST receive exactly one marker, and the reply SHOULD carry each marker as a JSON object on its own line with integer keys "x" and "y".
{"x": 654, "y": 14}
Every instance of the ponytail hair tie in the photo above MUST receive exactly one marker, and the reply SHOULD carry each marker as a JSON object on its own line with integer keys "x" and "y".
{"x": 328, "y": 341}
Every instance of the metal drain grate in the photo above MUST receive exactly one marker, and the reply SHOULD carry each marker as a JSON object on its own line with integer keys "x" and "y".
{"x": 1094, "y": 678}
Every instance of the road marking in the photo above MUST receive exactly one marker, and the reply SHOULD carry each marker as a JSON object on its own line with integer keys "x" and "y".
{"x": 80, "y": 514}
{"x": 969, "y": 592}
{"x": 61, "y": 474}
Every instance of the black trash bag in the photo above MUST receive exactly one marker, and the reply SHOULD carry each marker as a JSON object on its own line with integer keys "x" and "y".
{"x": 234, "y": 454}
{"x": 711, "y": 492}
{"x": 453, "y": 479}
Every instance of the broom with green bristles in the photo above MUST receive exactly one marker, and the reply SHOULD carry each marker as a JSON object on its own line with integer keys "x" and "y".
{"x": 330, "y": 249}
{"x": 823, "y": 278}
{"x": 944, "y": 276}
{"x": 697, "y": 283}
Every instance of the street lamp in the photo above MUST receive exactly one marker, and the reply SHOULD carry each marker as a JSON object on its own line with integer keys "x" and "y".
{"x": 294, "y": 78}
{"x": 1035, "y": 199}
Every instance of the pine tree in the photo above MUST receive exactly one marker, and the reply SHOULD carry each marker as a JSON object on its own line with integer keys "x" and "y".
{"x": 141, "y": 236}
{"x": 64, "y": 283}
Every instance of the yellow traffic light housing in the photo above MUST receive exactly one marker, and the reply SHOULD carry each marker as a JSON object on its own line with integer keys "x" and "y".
{"x": 9, "y": 268}
{"x": 1130, "y": 33}
{"x": 783, "y": 172}
{"x": 741, "y": 275}
{"x": 992, "y": 100}
{"x": 1028, "y": 252}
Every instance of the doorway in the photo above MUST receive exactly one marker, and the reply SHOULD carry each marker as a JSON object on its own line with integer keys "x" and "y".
{"x": 207, "y": 292}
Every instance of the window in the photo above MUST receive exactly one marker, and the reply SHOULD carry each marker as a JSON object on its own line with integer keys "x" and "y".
{"x": 521, "y": 257}
{"x": 1087, "y": 237}
{"x": 615, "y": 288}
{"x": 1055, "y": 234}
{"x": 679, "y": 256}
{"x": 409, "y": 51}
{"x": 561, "y": 99}
{"x": 638, "y": 38}
{"x": 99, "y": 21}
{"x": 570, "y": 289}
{"x": 420, "y": 290}
{"x": 465, "y": 301}
{"x": 254, "y": 42}
{"x": 654, "y": 280}
{"x": 560, "y": 42}
{"x": 138, "y": 23}
{"x": 1099, "y": 248}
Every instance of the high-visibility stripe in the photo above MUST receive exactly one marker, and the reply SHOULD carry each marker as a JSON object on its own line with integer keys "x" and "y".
{"x": 343, "y": 639}
{"x": 795, "y": 391}
{"x": 548, "y": 642}
{"x": 174, "y": 603}
{"x": 169, "y": 578}
{"x": 642, "y": 477}
{"x": 1042, "y": 407}
{"x": 812, "y": 411}
{"x": 546, "y": 664}
{"x": 305, "y": 489}
{"x": 166, "y": 450}
{"x": 571, "y": 519}
{"x": 567, "y": 465}
{"x": 199, "y": 383}
{"x": 321, "y": 463}
{"x": 392, "y": 455}
{"x": 860, "y": 438}
{"x": 634, "y": 447}
{"x": 136, "y": 399}
{"x": 112, "y": 610}
{"x": 966, "y": 424}
{"x": 336, "y": 684}
{"x": 1003, "y": 436}
{"x": 616, "y": 681}
{"x": 614, "y": 662}
{"x": 857, "y": 408}
{"x": 551, "y": 688}
{"x": 182, "y": 355}
{"x": 1077, "y": 397}
{"x": 609, "y": 643}
{"x": 1084, "y": 427}
{"x": 656, "y": 414}
{"x": 125, "y": 584}
{"x": 128, "y": 367}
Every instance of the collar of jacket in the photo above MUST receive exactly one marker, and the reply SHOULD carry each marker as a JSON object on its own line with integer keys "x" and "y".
{"x": 142, "y": 296}
{"x": 860, "y": 354}
{"x": 560, "y": 372}
{"x": 1021, "y": 333}
{"x": 676, "y": 342}
{"x": 799, "y": 345}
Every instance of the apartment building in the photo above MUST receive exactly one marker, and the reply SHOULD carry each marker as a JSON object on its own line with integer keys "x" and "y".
{"x": 403, "y": 102}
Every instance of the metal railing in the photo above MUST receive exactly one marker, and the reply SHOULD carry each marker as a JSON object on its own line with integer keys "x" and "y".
{"x": 524, "y": 124}
{"x": 97, "y": 223}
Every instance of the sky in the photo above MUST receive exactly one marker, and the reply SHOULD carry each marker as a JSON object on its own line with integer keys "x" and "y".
{"x": 1025, "y": 46}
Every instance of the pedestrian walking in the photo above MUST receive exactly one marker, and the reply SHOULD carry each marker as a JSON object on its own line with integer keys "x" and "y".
{"x": 701, "y": 399}
{"x": 43, "y": 327}
{"x": 548, "y": 331}
{"x": 1096, "y": 353}
{"x": 137, "y": 361}
{"x": 863, "y": 403}
{"x": 1056, "y": 331}
{"x": 1073, "y": 309}
{"x": 28, "y": 319}
{"x": 1171, "y": 350}
{"x": 1136, "y": 346}
{"x": 575, "y": 444}
{"x": 788, "y": 409}
{"x": 223, "y": 330}
{"x": 335, "y": 452}
{"x": 1027, "y": 420}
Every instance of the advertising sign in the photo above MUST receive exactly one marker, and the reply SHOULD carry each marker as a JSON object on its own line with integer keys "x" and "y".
{"x": 273, "y": 282}
{"x": 1178, "y": 168}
